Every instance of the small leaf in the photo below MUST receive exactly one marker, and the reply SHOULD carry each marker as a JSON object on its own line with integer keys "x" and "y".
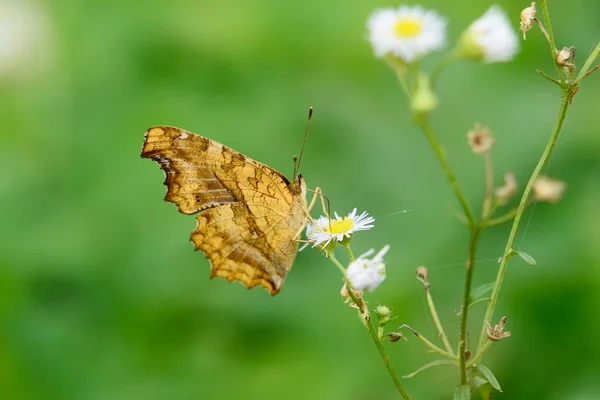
{"x": 428, "y": 365}
{"x": 526, "y": 257}
{"x": 489, "y": 376}
{"x": 462, "y": 393}
{"x": 473, "y": 303}
{"x": 479, "y": 381}
{"x": 481, "y": 291}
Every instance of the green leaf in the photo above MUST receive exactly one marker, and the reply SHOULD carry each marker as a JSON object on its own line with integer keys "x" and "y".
{"x": 479, "y": 381}
{"x": 489, "y": 376}
{"x": 528, "y": 259}
{"x": 481, "y": 291}
{"x": 429, "y": 365}
{"x": 462, "y": 393}
{"x": 477, "y": 294}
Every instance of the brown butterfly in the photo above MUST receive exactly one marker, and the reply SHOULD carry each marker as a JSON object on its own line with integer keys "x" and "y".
{"x": 249, "y": 215}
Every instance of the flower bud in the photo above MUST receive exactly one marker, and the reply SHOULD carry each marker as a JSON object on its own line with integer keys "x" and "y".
{"x": 423, "y": 100}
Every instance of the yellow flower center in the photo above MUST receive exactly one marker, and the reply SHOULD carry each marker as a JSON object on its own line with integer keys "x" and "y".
{"x": 341, "y": 226}
{"x": 407, "y": 28}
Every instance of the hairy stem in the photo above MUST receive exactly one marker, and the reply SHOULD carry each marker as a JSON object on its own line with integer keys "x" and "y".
{"x": 489, "y": 312}
{"x": 462, "y": 343}
{"x": 378, "y": 343}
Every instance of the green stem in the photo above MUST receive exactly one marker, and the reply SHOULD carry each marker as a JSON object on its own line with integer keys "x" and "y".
{"x": 367, "y": 323}
{"x": 588, "y": 63}
{"x": 462, "y": 343}
{"x": 553, "y": 49}
{"x": 502, "y": 219}
{"x": 489, "y": 312}
{"x": 436, "y": 320}
{"x": 441, "y": 156}
{"x": 427, "y": 343}
{"x": 480, "y": 353}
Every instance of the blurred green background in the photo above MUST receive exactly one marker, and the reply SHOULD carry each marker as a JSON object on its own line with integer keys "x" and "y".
{"x": 101, "y": 295}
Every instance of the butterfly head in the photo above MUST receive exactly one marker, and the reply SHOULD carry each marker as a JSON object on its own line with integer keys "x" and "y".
{"x": 298, "y": 186}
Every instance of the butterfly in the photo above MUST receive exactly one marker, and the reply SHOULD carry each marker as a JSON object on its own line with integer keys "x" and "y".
{"x": 248, "y": 214}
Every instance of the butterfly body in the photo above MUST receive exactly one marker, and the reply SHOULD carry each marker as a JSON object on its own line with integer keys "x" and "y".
{"x": 249, "y": 214}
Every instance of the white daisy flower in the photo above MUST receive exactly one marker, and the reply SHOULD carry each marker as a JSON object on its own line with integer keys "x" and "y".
{"x": 408, "y": 32}
{"x": 365, "y": 274}
{"x": 490, "y": 38}
{"x": 325, "y": 229}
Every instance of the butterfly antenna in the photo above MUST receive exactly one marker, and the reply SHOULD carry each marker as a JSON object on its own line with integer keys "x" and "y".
{"x": 299, "y": 159}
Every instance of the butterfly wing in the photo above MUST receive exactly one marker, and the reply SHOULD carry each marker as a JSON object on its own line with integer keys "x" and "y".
{"x": 249, "y": 216}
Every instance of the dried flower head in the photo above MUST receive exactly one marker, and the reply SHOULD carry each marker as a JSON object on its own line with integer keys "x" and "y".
{"x": 548, "y": 189}
{"x": 422, "y": 273}
{"x": 362, "y": 308}
{"x": 479, "y": 139}
{"x": 408, "y": 32}
{"x": 563, "y": 57}
{"x": 508, "y": 190}
{"x": 527, "y": 17}
{"x": 395, "y": 336}
{"x": 497, "y": 332}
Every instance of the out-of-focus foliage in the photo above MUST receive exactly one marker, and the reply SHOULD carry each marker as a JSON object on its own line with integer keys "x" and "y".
{"x": 101, "y": 295}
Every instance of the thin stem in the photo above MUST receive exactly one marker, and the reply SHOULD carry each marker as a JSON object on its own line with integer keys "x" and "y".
{"x": 462, "y": 343}
{"x": 480, "y": 353}
{"x": 441, "y": 156}
{"x": 349, "y": 250}
{"x": 551, "y": 79}
{"x": 550, "y": 36}
{"x": 387, "y": 361}
{"x": 489, "y": 175}
{"x": 436, "y": 320}
{"x": 427, "y": 343}
{"x": 585, "y": 70}
{"x": 489, "y": 185}
{"x": 502, "y": 219}
{"x": 338, "y": 265}
{"x": 489, "y": 312}
{"x": 367, "y": 323}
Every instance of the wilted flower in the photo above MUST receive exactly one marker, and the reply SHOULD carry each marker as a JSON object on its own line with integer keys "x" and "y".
{"x": 508, "y": 190}
{"x": 480, "y": 139}
{"x": 325, "y": 229}
{"x": 422, "y": 273}
{"x": 563, "y": 57}
{"x": 367, "y": 274}
{"x": 407, "y": 32}
{"x": 548, "y": 189}
{"x": 527, "y": 17}
{"x": 490, "y": 38}
{"x": 497, "y": 332}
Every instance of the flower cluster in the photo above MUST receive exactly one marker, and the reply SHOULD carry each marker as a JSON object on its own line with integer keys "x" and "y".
{"x": 410, "y": 32}
{"x": 325, "y": 232}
